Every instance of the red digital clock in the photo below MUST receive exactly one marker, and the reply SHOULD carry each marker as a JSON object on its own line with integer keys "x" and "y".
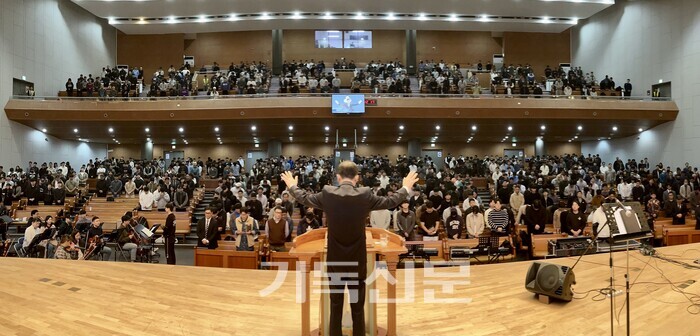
{"x": 370, "y": 102}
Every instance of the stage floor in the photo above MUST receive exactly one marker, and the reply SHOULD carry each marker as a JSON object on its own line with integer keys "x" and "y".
{"x": 42, "y": 297}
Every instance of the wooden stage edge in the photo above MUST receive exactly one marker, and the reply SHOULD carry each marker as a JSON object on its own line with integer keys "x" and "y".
{"x": 56, "y": 297}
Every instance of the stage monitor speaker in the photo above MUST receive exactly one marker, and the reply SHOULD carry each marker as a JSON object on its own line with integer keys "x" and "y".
{"x": 550, "y": 280}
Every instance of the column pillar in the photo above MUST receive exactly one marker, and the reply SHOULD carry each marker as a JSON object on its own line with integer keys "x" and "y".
{"x": 274, "y": 148}
{"x": 415, "y": 148}
{"x": 277, "y": 51}
{"x": 410, "y": 55}
{"x": 539, "y": 147}
{"x": 147, "y": 151}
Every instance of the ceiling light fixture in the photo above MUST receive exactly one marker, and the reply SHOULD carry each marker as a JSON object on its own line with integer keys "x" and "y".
{"x": 510, "y": 128}
{"x": 328, "y": 16}
{"x": 614, "y": 128}
{"x": 75, "y": 130}
{"x": 181, "y": 129}
{"x": 359, "y": 16}
{"x": 111, "y": 130}
{"x": 233, "y": 17}
{"x": 43, "y": 130}
{"x": 147, "y": 129}
{"x": 543, "y": 127}
{"x": 391, "y": 17}
{"x": 216, "y": 129}
{"x": 641, "y": 130}
{"x": 327, "y": 128}
{"x": 291, "y": 128}
{"x": 474, "y": 128}
{"x": 253, "y": 128}
{"x": 437, "y": 127}
{"x": 297, "y": 16}
{"x": 365, "y": 127}
{"x": 401, "y": 127}
{"x": 453, "y": 17}
{"x": 264, "y": 16}
{"x": 580, "y": 128}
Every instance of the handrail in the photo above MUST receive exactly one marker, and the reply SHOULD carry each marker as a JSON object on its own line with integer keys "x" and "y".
{"x": 327, "y": 95}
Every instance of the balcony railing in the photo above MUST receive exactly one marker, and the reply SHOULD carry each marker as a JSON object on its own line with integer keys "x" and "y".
{"x": 367, "y": 95}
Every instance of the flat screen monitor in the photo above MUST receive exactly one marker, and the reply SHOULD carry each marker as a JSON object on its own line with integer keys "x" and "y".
{"x": 357, "y": 39}
{"x": 329, "y": 39}
{"x": 348, "y": 103}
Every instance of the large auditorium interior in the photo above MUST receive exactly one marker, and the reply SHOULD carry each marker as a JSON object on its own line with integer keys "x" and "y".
{"x": 365, "y": 168}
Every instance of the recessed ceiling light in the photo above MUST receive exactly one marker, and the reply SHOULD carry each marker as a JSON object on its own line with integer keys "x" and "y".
{"x": 614, "y": 128}
{"x": 233, "y": 17}
{"x": 173, "y": 146}
{"x": 111, "y": 130}
{"x": 328, "y": 16}
{"x": 453, "y": 17}
{"x": 345, "y": 144}
{"x": 264, "y": 16}
{"x": 391, "y": 16}
{"x": 576, "y": 137}
{"x": 514, "y": 144}
{"x": 216, "y": 129}
{"x": 75, "y": 130}
{"x": 437, "y": 127}
{"x": 297, "y": 16}
{"x": 543, "y": 127}
{"x": 181, "y": 129}
{"x": 474, "y": 128}
{"x": 257, "y": 145}
{"x": 43, "y": 130}
{"x": 365, "y": 127}
{"x": 510, "y": 128}
{"x": 291, "y": 128}
{"x": 203, "y": 18}
{"x": 253, "y": 128}
{"x": 327, "y": 128}
{"x": 432, "y": 145}
{"x": 401, "y": 127}
{"x": 359, "y": 16}
{"x": 484, "y": 18}
{"x": 422, "y": 17}
{"x": 147, "y": 129}
{"x": 641, "y": 130}
{"x": 580, "y": 128}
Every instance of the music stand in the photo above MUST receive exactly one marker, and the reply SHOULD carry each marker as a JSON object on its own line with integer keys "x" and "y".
{"x": 626, "y": 221}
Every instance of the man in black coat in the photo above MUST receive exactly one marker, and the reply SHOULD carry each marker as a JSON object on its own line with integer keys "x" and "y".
{"x": 208, "y": 230}
{"x": 347, "y": 207}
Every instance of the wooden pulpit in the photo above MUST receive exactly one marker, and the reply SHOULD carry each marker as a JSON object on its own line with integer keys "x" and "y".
{"x": 311, "y": 247}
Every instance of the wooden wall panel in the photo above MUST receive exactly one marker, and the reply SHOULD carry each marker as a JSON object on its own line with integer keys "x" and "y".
{"x": 295, "y": 150}
{"x": 537, "y": 49}
{"x": 387, "y": 45}
{"x": 461, "y": 47}
{"x": 150, "y": 51}
{"x": 227, "y": 47}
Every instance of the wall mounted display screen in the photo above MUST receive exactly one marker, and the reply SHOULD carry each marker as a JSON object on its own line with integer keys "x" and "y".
{"x": 329, "y": 39}
{"x": 348, "y": 103}
{"x": 357, "y": 39}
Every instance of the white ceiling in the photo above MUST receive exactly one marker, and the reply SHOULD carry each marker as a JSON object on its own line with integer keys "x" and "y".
{"x": 198, "y": 16}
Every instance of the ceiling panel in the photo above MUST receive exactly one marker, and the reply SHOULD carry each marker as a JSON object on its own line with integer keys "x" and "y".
{"x": 532, "y": 10}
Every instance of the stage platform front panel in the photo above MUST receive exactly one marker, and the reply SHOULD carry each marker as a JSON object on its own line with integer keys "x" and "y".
{"x": 55, "y": 297}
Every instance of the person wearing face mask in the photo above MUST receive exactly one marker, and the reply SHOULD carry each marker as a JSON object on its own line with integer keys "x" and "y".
{"x": 475, "y": 222}
{"x": 453, "y": 224}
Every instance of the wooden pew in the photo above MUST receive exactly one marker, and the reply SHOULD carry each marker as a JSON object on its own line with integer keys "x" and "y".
{"x": 226, "y": 256}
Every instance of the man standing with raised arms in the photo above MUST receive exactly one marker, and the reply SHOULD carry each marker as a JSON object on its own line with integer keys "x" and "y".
{"x": 346, "y": 207}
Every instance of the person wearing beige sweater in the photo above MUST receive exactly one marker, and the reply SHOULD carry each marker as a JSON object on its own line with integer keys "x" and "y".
{"x": 475, "y": 222}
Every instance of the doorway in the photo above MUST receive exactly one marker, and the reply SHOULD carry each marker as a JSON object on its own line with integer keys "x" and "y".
{"x": 517, "y": 153}
{"x": 254, "y": 156}
{"x": 341, "y": 155}
{"x": 171, "y": 156}
{"x": 435, "y": 155}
